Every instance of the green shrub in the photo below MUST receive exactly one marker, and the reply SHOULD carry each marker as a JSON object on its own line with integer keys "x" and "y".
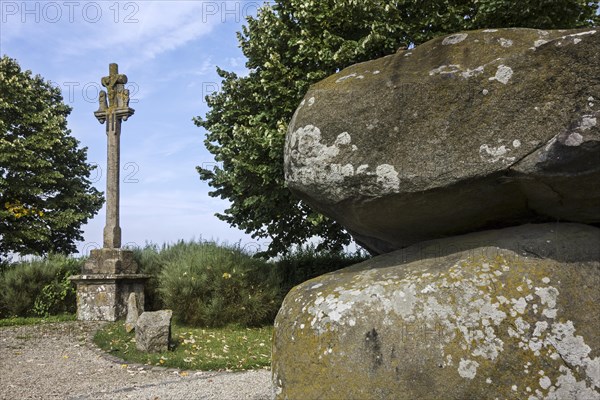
{"x": 204, "y": 283}
{"x": 4, "y": 265}
{"x": 151, "y": 262}
{"x": 211, "y": 285}
{"x": 56, "y": 297}
{"x": 39, "y": 287}
{"x": 306, "y": 262}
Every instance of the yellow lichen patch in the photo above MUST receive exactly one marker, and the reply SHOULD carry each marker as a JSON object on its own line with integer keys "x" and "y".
{"x": 101, "y": 298}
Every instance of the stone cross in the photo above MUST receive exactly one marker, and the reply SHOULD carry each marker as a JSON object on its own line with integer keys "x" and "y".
{"x": 114, "y": 108}
{"x": 110, "y": 274}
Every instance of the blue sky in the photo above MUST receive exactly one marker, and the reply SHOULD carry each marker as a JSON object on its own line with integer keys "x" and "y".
{"x": 169, "y": 50}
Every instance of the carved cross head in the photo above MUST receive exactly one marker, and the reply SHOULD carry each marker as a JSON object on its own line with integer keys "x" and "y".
{"x": 117, "y": 98}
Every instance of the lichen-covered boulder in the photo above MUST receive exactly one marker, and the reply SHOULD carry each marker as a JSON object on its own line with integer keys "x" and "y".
{"x": 471, "y": 131}
{"x": 507, "y": 314}
{"x": 153, "y": 331}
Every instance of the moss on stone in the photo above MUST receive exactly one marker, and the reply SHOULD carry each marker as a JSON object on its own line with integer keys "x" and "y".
{"x": 469, "y": 328}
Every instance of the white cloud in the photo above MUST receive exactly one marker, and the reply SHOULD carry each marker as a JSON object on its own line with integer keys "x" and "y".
{"x": 146, "y": 28}
{"x": 235, "y": 62}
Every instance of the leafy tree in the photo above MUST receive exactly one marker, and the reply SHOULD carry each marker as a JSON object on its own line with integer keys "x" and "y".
{"x": 295, "y": 43}
{"x": 45, "y": 193}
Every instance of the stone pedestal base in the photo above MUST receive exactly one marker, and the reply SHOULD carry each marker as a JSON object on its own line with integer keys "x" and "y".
{"x": 108, "y": 278}
{"x": 103, "y": 297}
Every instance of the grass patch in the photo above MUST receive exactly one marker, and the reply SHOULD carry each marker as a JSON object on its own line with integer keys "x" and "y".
{"x": 36, "y": 320}
{"x": 224, "y": 349}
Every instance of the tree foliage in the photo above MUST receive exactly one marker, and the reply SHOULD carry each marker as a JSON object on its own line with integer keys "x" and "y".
{"x": 45, "y": 193}
{"x": 295, "y": 43}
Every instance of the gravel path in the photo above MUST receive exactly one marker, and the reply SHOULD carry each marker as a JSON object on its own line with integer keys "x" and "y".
{"x": 59, "y": 361}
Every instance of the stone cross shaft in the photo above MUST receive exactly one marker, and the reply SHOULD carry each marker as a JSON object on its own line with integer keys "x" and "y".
{"x": 114, "y": 108}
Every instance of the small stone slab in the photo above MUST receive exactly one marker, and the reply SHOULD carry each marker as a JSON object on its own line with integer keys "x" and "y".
{"x": 153, "y": 331}
{"x": 132, "y": 313}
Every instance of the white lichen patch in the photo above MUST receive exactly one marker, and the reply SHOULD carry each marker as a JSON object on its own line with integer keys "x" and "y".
{"x": 540, "y": 327}
{"x": 503, "y": 74}
{"x": 588, "y": 122}
{"x": 362, "y": 169}
{"x": 575, "y": 38}
{"x": 429, "y": 289}
{"x": 567, "y": 387}
{"x": 493, "y": 154}
{"x": 574, "y": 139}
{"x": 545, "y": 382}
{"x": 333, "y": 310}
{"x": 311, "y": 101}
{"x": 519, "y": 305}
{"x": 454, "y": 39}
{"x": 343, "y": 139}
{"x": 505, "y": 42}
{"x": 547, "y": 295}
{"x": 473, "y": 72}
{"x": 457, "y": 69}
{"x": 571, "y": 348}
{"x": 445, "y": 69}
{"x": 355, "y": 76}
{"x": 580, "y": 34}
{"x": 467, "y": 368}
{"x": 345, "y": 77}
{"x": 315, "y": 164}
{"x": 387, "y": 176}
